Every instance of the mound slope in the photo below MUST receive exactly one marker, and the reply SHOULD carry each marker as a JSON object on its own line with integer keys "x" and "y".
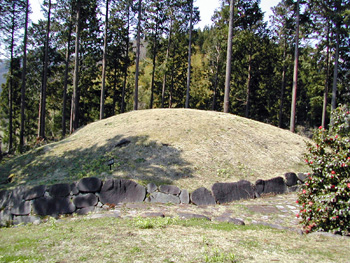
{"x": 188, "y": 148}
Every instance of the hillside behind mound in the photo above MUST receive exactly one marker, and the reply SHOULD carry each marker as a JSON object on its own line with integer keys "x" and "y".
{"x": 184, "y": 147}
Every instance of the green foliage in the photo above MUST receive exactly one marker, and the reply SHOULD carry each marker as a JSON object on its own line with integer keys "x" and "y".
{"x": 325, "y": 196}
{"x": 150, "y": 223}
{"x": 217, "y": 256}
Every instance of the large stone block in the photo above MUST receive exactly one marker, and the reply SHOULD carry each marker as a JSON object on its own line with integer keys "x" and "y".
{"x": 107, "y": 185}
{"x": 74, "y": 189}
{"x": 228, "y": 192}
{"x": 89, "y": 185}
{"x": 169, "y": 189}
{"x": 85, "y": 210}
{"x": 26, "y": 219}
{"x": 184, "y": 197}
{"x": 202, "y": 196}
{"x": 35, "y": 192}
{"x": 85, "y": 200}
{"x": 16, "y": 197}
{"x": 259, "y": 187}
{"x": 53, "y": 206}
{"x": 158, "y": 197}
{"x": 59, "y": 190}
{"x": 275, "y": 185}
{"x": 5, "y": 217}
{"x": 302, "y": 177}
{"x": 121, "y": 191}
{"x": 4, "y": 195}
{"x": 291, "y": 179}
{"x": 21, "y": 209}
{"x": 151, "y": 187}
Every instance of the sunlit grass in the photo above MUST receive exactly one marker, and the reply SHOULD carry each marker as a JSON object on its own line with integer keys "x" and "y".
{"x": 168, "y": 240}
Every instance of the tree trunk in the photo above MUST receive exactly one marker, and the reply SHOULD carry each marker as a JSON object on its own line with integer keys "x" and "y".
{"x": 12, "y": 45}
{"x": 66, "y": 77}
{"x": 103, "y": 88}
{"x": 75, "y": 102}
{"x": 138, "y": 45}
{"x": 153, "y": 65}
{"x": 24, "y": 72}
{"x": 216, "y": 81}
{"x": 44, "y": 85}
{"x": 166, "y": 61}
{"x": 295, "y": 74}
{"x": 248, "y": 86}
{"x": 114, "y": 90}
{"x": 189, "y": 59}
{"x": 335, "y": 73}
{"x": 283, "y": 85}
{"x": 325, "y": 93}
{"x": 171, "y": 88}
{"x": 228, "y": 60}
{"x": 122, "y": 106}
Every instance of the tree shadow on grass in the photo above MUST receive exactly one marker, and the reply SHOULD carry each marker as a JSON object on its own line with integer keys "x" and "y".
{"x": 137, "y": 158}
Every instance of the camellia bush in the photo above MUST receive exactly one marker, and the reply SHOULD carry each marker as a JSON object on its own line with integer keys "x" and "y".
{"x": 325, "y": 197}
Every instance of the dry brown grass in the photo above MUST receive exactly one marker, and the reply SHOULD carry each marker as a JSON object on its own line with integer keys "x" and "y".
{"x": 188, "y": 148}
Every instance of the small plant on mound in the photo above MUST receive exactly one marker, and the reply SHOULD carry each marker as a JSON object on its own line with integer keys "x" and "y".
{"x": 325, "y": 196}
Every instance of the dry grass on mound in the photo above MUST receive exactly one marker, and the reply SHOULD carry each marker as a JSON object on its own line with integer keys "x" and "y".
{"x": 188, "y": 148}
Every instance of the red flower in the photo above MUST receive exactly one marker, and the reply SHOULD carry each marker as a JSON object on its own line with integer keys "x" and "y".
{"x": 332, "y": 172}
{"x": 311, "y": 162}
{"x": 348, "y": 185}
{"x": 297, "y": 201}
{"x": 304, "y": 191}
{"x": 307, "y": 184}
{"x": 311, "y": 203}
{"x": 336, "y": 136}
{"x": 297, "y": 215}
{"x": 320, "y": 127}
{"x": 333, "y": 186}
{"x": 343, "y": 165}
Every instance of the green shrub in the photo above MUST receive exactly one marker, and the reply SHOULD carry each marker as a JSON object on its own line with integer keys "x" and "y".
{"x": 325, "y": 196}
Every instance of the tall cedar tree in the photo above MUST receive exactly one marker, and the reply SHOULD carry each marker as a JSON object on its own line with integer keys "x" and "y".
{"x": 138, "y": 46}
{"x": 104, "y": 62}
{"x": 228, "y": 58}
{"x": 42, "y": 108}
{"x": 24, "y": 72}
{"x": 295, "y": 74}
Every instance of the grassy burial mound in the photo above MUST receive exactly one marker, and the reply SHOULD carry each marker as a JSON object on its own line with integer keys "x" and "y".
{"x": 187, "y": 148}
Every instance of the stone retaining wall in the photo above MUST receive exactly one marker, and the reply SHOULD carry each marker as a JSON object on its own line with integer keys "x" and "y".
{"x": 23, "y": 205}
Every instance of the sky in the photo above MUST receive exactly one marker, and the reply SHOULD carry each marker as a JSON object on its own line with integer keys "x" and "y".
{"x": 206, "y": 8}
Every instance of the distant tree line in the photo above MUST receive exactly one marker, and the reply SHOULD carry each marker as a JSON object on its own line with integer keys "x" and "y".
{"x": 84, "y": 62}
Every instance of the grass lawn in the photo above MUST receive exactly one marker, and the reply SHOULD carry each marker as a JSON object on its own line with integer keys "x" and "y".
{"x": 80, "y": 239}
